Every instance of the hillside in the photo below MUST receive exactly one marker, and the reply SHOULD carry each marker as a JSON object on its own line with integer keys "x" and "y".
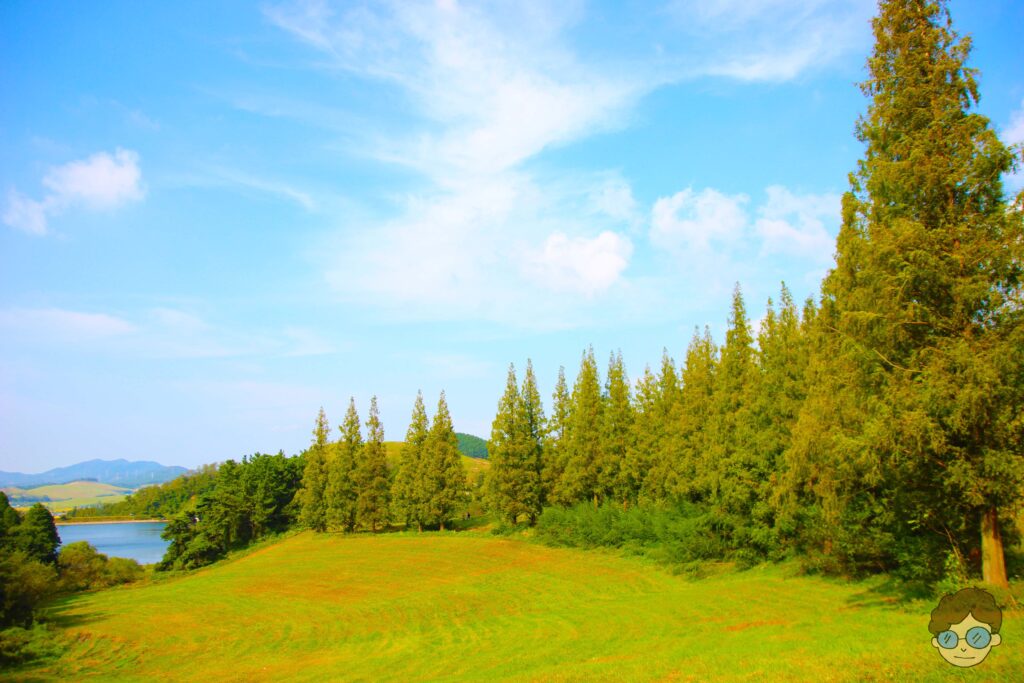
{"x": 458, "y": 607}
{"x": 59, "y": 497}
{"x": 124, "y": 473}
{"x": 472, "y": 465}
{"x": 472, "y": 446}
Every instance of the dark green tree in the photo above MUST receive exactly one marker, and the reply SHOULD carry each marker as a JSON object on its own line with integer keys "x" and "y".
{"x": 535, "y": 431}
{"x": 513, "y": 479}
{"x": 579, "y": 480}
{"x": 555, "y": 448}
{"x": 617, "y": 433}
{"x": 37, "y": 535}
{"x": 696, "y": 402}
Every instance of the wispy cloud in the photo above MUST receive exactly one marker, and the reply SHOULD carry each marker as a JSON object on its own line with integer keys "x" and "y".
{"x": 55, "y": 324}
{"x": 698, "y": 219}
{"x": 99, "y": 182}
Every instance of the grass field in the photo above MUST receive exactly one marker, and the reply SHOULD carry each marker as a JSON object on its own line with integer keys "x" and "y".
{"x": 472, "y": 465}
{"x": 463, "y": 607}
{"x": 77, "y": 493}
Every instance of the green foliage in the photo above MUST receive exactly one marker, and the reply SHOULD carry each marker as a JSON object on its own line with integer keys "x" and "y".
{"x": 582, "y": 437}
{"x": 513, "y": 481}
{"x": 25, "y": 582}
{"x": 23, "y": 645}
{"x": 676, "y": 534}
{"x": 342, "y": 488}
{"x": 37, "y": 535}
{"x": 472, "y": 446}
{"x": 555, "y": 442}
{"x": 444, "y": 476}
{"x": 371, "y": 475}
{"x": 250, "y": 500}
{"x": 82, "y": 568}
{"x": 314, "y": 478}
{"x": 160, "y": 501}
{"x": 410, "y": 492}
{"x": 617, "y": 434}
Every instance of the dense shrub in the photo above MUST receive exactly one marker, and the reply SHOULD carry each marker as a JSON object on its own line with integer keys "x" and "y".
{"x": 82, "y": 568}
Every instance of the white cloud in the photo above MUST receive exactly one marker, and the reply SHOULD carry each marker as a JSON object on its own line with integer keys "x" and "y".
{"x": 698, "y": 219}
{"x": 100, "y": 182}
{"x": 25, "y": 214}
{"x": 59, "y": 325}
{"x": 796, "y": 224}
{"x": 587, "y": 266}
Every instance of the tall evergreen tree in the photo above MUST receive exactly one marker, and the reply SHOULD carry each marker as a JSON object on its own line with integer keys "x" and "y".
{"x": 922, "y": 316}
{"x": 617, "y": 433}
{"x": 535, "y": 426}
{"x": 371, "y": 475}
{"x": 555, "y": 443}
{"x": 445, "y": 477}
{"x": 342, "y": 491}
{"x": 662, "y": 479}
{"x": 410, "y": 492}
{"x": 37, "y": 535}
{"x": 510, "y": 489}
{"x": 314, "y": 479}
{"x": 695, "y": 411}
{"x": 579, "y": 480}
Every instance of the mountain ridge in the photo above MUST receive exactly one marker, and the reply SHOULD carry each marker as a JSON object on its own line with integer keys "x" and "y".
{"x": 120, "y": 472}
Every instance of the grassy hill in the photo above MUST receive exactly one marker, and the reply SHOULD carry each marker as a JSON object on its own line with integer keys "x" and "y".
{"x": 459, "y": 607}
{"x": 472, "y": 465}
{"x": 60, "y": 497}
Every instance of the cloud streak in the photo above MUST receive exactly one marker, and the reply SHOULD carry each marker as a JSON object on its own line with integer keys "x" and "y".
{"x": 101, "y": 182}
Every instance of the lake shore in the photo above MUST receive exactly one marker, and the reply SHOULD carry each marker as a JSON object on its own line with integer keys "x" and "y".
{"x": 105, "y": 521}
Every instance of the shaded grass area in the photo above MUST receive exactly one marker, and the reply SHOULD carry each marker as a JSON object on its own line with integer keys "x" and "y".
{"x": 467, "y": 607}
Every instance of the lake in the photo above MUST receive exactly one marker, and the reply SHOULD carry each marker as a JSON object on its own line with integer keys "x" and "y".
{"x": 135, "y": 540}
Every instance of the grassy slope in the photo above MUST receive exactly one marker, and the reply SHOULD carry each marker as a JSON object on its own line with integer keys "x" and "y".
{"x": 472, "y": 465}
{"x": 76, "y": 493}
{"x": 460, "y": 607}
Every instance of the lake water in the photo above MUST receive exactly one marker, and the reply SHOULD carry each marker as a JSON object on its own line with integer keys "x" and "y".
{"x": 135, "y": 540}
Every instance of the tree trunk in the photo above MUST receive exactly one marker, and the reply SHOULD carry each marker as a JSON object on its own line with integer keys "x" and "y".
{"x": 993, "y": 562}
{"x": 442, "y": 528}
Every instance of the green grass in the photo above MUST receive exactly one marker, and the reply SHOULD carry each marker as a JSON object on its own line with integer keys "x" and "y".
{"x": 463, "y": 607}
{"x": 472, "y": 465}
{"x": 77, "y": 493}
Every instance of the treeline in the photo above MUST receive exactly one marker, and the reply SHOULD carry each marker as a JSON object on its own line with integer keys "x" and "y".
{"x": 159, "y": 501}
{"x": 882, "y": 429}
{"x": 246, "y": 501}
{"x": 347, "y": 484}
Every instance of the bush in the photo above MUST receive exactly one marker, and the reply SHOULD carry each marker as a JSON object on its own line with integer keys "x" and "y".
{"x": 674, "y": 534}
{"x": 22, "y": 645}
{"x": 24, "y": 584}
{"x": 82, "y": 567}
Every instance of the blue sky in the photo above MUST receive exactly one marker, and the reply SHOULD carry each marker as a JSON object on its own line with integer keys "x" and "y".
{"x": 218, "y": 217}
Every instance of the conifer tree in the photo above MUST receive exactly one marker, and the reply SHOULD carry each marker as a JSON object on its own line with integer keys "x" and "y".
{"x": 731, "y": 463}
{"x": 445, "y": 476}
{"x": 342, "y": 491}
{"x": 37, "y": 535}
{"x": 617, "y": 432}
{"x": 662, "y": 480}
{"x": 648, "y": 425}
{"x": 371, "y": 475}
{"x": 579, "y": 480}
{"x": 555, "y": 443}
{"x": 410, "y": 492}
{"x": 695, "y": 411}
{"x": 920, "y": 436}
{"x": 536, "y": 425}
{"x": 313, "y": 509}
{"x": 511, "y": 480}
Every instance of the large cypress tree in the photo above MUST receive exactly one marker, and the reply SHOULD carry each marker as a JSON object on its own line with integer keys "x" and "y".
{"x": 342, "y": 491}
{"x": 371, "y": 475}
{"x": 918, "y": 433}
{"x": 535, "y": 427}
{"x": 313, "y": 502}
{"x": 695, "y": 409}
{"x": 511, "y": 485}
{"x": 409, "y": 493}
{"x": 663, "y": 440}
{"x": 583, "y": 437}
{"x": 617, "y": 433}
{"x": 444, "y": 475}
{"x": 555, "y": 443}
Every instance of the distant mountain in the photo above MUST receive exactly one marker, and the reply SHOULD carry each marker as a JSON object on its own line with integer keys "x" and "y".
{"x": 122, "y": 473}
{"x": 473, "y": 446}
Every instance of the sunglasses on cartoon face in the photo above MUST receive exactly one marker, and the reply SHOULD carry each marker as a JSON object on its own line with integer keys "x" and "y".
{"x": 977, "y": 637}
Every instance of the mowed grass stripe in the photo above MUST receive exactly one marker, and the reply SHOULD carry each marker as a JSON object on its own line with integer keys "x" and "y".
{"x": 460, "y": 607}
